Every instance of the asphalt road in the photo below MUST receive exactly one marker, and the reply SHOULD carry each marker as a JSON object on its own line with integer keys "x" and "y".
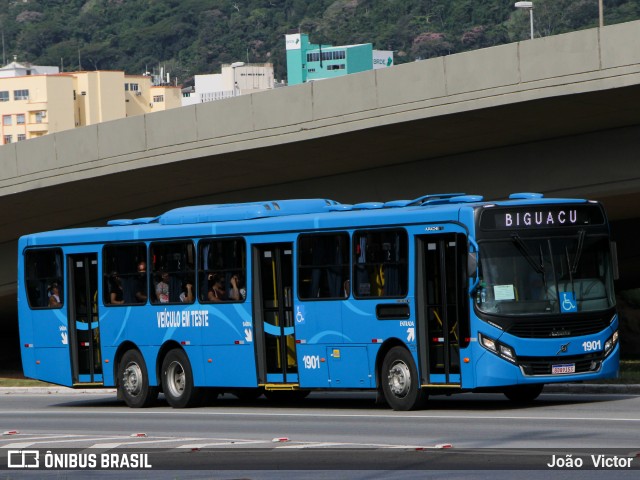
{"x": 333, "y": 434}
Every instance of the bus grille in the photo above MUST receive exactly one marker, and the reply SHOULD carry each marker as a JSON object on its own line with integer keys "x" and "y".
{"x": 557, "y": 328}
{"x": 542, "y": 365}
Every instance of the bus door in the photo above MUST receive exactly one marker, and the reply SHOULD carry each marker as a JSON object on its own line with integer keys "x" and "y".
{"x": 84, "y": 329}
{"x": 273, "y": 314}
{"x": 442, "y": 311}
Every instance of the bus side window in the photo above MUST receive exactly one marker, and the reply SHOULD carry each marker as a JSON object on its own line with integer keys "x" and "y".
{"x": 323, "y": 266}
{"x": 122, "y": 278}
{"x": 222, "y": 275}
{"x": 380, "y": 263}
{"x": 172, "y": 270}
{"x": 44, "y": 278}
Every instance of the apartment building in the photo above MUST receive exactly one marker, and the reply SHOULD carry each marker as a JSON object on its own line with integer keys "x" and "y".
{"x": 34, "y": 104}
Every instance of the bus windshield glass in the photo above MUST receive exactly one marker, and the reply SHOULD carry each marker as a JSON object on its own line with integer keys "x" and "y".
{"x": 539, "y": 276}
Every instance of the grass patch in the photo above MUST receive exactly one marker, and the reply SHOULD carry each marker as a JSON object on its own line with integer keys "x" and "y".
{"x": 22, "y": 382}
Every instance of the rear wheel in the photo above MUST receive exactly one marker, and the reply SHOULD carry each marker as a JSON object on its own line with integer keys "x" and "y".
{"x": 523, "y": 393}
{"x": 400, "y": 382}
{"x": 177, "y": 381}
{"x": 133, "y": 381}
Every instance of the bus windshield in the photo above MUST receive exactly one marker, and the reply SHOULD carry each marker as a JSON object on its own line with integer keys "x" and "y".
{"x": 540, "y": 276}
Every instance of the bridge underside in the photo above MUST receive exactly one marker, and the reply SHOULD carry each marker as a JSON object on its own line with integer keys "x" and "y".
{"x": 582, "y": 145}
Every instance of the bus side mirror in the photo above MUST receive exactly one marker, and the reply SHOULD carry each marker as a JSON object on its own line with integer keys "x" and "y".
{"x": 472, "y": 271}
{"x": 472, "y": 264}
{"x": 614, "y": 260}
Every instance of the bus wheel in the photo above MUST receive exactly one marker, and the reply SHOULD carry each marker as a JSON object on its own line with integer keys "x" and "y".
{"x": 177, "y": 381}
{"x": 400, "y": 381}
{"x": 133, "y": 384}
{"x": 523, "y": 393}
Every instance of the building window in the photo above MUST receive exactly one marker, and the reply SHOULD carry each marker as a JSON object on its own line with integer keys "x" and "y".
{"x": 7, "y": 139}
{"x": 21, "y": 137}
{"x": 40, "y": 116}
{"x": 6, "y": 120}
{"x": 4, "y": 96}
{"x": 21, "y": 94}
{"x": 20, "y": 119}
{"x": 158, "y": 98}
{"x": 336, "y": 67}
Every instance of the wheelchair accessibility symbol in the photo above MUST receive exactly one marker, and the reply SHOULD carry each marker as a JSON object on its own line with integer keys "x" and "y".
{"x": 299, "y": 315}
{"x": 568, "y": 302}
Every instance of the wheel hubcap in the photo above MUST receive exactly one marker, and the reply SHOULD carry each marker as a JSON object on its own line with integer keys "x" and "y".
{"x": 399, "y": 379}
{"x": 175, "y": 379}
{"x": 132, "y": 379}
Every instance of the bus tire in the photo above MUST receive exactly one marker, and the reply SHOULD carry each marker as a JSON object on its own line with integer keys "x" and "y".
{"x": 177, "y": 380}
{"x": 400, "y": 381}
{"x": 133, "y": 381}
{"x": 523, "y": 393}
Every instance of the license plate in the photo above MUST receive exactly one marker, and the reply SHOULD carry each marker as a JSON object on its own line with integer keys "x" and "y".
{"x": 564, "y": 368}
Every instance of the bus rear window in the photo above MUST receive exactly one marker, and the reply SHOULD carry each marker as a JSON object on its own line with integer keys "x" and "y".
{"x": 44, "y": 278}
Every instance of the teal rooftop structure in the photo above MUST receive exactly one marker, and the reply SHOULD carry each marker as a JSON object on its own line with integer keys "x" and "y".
{"x": 307, "y": 62}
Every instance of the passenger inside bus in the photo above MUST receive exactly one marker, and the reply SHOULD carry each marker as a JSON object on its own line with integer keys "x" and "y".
{"x": 116, "y": 291}
{"x": 237, "y": 291}
{"x": 162, "y": 288}
{"x": 54, "y": 296}
{"x": 141, "y": 283}
{"x": 216, "y": 291}
{"x": 186, "y": 295}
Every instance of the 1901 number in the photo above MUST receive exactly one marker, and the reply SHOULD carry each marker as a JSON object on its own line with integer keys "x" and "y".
{"x": 592, "y": 346}
{"x": 311, "y": 362}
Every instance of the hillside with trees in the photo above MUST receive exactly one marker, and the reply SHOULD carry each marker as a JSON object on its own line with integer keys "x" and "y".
{"x": 190, "y": 37}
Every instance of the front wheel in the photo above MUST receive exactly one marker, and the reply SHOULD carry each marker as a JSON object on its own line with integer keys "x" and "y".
{"x": 177, "y": 381}
{"x": 400, "y": 382}
{"x": 523, "y": 393}
{"x": 133, "y": 381}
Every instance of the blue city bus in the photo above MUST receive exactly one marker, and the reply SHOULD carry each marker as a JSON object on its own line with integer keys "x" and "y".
{"x": 442, "y": 294}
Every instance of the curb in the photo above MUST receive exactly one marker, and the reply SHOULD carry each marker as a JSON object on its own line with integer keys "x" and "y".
{"x": 624, "y": 389}
{"x": 596, "y": 388}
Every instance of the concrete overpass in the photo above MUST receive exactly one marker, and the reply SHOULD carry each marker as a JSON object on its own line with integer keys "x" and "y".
{"x": 559, "y": 115}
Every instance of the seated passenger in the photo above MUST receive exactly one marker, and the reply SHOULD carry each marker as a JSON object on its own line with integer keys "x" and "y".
{"x": 115, "y": 289}
{"x": 237, "y": 291}
{"x": 162, "y": 288}
{"x": 54, "y": 296}
{"x": 186, "y": 295}
{"x": 216, "y": 291}
{"x": 141, "y": 283}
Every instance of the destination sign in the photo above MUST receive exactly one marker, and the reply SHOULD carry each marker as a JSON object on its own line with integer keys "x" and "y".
{"x": 540, "y": 216}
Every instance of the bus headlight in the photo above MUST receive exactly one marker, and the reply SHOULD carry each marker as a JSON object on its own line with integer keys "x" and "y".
{"x": 499, "y": 348}
{"x": 611, "y": 343}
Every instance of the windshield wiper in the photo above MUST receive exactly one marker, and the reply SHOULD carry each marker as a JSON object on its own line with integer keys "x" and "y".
{"x": 576, "y": 258}
{"x": 524, "y": 251}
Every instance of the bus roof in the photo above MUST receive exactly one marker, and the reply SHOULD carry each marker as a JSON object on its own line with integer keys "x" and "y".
{"x": 280, "y": 216}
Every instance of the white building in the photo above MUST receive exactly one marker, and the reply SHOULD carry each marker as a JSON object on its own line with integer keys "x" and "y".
{"x": 15, "y": 69}
{"x": 236, "y": 79}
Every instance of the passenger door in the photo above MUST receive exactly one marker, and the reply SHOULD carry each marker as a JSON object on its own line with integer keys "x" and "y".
{"x": 84, "y": 327}
{"x": 442, "y": 306}
{"x": 273, "y": 313}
